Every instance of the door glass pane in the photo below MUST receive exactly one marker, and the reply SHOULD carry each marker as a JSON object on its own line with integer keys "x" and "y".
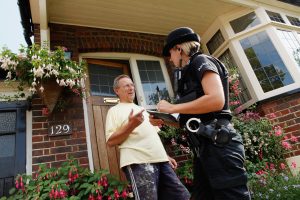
{"x": 153, "y": 82}
{"x": 7, "y": 145}
{"x": 102, "y": 78}
{"x": 7, "y": 122}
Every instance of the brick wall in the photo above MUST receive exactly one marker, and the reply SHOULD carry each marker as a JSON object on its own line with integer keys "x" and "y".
{"x": 55, "y": 150}
{"x": 287, "y": 112}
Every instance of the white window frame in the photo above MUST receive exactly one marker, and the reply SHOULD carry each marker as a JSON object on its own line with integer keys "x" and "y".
{"x": 132, "y": 58}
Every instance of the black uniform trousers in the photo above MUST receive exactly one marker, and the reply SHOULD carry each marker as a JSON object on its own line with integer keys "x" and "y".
{"x": 219, "y": 172}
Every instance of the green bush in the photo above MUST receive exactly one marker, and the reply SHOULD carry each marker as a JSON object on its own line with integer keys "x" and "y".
{"x": 70, "y": 181}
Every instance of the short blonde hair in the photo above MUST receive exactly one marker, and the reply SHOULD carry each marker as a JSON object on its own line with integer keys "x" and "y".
{"x": 118, "y": 78}
{"x": 189, "y": 48}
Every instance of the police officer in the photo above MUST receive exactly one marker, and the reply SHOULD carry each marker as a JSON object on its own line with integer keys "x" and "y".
{"x": 203, "y": 91}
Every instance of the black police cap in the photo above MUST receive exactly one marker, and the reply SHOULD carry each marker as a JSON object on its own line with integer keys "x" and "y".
{"x": 178, "y": 36}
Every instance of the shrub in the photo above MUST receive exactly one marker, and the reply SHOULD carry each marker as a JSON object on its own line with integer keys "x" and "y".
{"x": 70, "y": 181}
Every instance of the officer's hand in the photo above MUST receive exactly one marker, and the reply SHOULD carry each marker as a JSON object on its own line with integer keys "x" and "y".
{"x": 164, "y": 106}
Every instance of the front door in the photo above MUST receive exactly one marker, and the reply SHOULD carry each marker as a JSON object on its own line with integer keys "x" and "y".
{"x": 101, "y": 76}
{"x": 12, "y": 144}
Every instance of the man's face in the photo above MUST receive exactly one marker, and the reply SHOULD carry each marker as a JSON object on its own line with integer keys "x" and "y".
{"x": 125, "y": 90}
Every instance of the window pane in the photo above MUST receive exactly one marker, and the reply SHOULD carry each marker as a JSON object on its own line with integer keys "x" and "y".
{"x": 216, "y": 41}
{"x": 294, "y": 21}
{"x": 244, "y": 22}
{"x": 7, "y": 122}
{"x": 102, "y": 78}
{"x": 276, "y": 17}
{"x": 291, "y": 44}
{"x": 273, "y": 75}
{"x": 153, "y": 81}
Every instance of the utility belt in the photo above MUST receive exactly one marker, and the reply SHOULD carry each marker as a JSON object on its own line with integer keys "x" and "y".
{"x": 218, "y": 131}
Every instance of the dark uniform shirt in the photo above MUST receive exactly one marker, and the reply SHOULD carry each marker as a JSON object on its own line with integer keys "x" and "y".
{"x": 190, "y": 88}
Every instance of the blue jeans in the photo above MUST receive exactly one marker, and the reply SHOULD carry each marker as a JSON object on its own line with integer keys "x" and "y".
{"x": 155, "y": 181}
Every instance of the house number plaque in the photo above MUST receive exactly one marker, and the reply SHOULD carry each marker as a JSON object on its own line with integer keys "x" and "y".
{"x": 59, "y": 129}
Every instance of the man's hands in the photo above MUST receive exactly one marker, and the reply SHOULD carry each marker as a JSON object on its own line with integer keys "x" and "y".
{"x": 172, "y": 162}
{"x": 137, "y": 119}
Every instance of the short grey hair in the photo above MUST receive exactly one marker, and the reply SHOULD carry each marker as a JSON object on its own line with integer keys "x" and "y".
{"x": 118, "y": 78}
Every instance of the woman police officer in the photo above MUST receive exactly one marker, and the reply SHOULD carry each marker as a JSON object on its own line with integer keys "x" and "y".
{"x": 219, "y": 171}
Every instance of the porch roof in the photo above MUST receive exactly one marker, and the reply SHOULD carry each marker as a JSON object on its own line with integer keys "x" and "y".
{"x": 154, "y": 16}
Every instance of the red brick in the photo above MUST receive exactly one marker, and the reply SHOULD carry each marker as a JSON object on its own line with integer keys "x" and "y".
{"x": 37, "y": 152}
{"x": 285, "y": 111}
{"x": 40, "y": 132}
{"x": 37, "y": 125}
{"x": 37, "y": 138}
{"x": 43, "y": 159}
{"x": 46, "y": 151}
{"x": 292, "y": 128}
{"x": 59, "y": 157}
{"x": 60, "y": 143}
{"x": 83, "y": 161}
{"x": 286, "y": 117}
{"x": 76, "y": 141}
{"x": 39, "y": 119}
{"x": 42, "y": 145}
{"x": 297, "y": 153}
{"x": 78, "y": 154}
{"x": 60, "y": 150}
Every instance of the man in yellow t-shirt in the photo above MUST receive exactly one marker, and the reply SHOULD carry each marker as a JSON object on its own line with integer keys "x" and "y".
{"x": 142, "y": 154}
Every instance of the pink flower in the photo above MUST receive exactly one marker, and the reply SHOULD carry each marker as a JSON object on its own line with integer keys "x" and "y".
{"x": 260, "y": 172}
{"x": 293, "y": 165}
{"x": 278, "y": 131}
{"x": 272, "y": 166}
{"x": 294, "y": 139}
{"x": 282, "y": 166}
{"x": 286, "y": 145}
{"x": 272, "y": 115}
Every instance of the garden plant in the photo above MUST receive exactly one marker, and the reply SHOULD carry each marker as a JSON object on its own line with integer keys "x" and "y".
{"x": 70, "y": 181}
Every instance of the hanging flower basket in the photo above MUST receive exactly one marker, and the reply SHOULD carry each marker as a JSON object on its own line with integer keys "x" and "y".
{"x": 44, "y": 72}
{"x": 51, "y": 94}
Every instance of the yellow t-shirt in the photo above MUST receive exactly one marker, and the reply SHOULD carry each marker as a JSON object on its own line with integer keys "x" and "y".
{"x": 143, "y": 145}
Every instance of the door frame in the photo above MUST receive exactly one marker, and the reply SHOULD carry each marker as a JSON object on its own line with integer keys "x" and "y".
{"x": 136, "y": 79}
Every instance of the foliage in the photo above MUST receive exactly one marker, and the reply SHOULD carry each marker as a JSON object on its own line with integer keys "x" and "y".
{"x": 185, "y": 174}
{"x": 35, "y": 65}
{"x": 68, "y": 182}
{"x": 273, "y": 183}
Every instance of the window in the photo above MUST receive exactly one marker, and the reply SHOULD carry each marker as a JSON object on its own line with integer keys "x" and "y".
{"x": 294, "y": 21}
{"x": 216, "y": 41}
{"x": 102, "y": 78}
{"x": 265, "y": 61}
{"x": 291, "y": 43}
{"x": 229, "y": 62}
{"x": 245, "y": 22}
{"x": 153, "y": 82}
{"x": 276, "y": 17}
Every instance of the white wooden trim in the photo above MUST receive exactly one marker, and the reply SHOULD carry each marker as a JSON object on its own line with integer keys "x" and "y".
{"x": 28, "y": 142}
{"x": 88, "y": 135}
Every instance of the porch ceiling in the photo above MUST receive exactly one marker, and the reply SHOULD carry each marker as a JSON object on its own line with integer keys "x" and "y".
{"x": 148, "y": 16}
